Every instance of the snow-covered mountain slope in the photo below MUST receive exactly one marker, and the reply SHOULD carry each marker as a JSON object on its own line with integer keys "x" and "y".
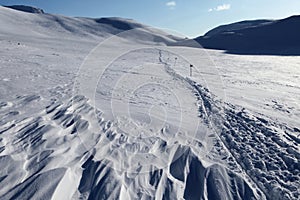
{"x": 125, "y": 121}
{"x": 47, "y": 26}
{"x": 277, "y": 37}
{"x": 236, "y": 26}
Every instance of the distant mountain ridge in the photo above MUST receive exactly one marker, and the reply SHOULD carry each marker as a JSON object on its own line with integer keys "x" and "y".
{"x": 279, "y": 37}
{"x": 237, "y": 26}
{"x": 28, "y": 9}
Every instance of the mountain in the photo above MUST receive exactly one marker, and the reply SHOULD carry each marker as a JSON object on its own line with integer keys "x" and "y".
{"x": 236, "y": 26}
{"x": 24, "y": 8}
{"x": 36, "y": 22}
{"x": 256, "y": 37}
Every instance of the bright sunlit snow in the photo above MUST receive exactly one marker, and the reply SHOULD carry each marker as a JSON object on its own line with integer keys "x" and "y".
{"x": 106, "y": 109}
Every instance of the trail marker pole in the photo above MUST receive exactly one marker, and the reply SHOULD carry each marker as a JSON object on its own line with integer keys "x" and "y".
{"x": 191, "y": 70}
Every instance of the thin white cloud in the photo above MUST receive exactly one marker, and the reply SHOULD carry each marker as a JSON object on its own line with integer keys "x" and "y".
{"x": 220, "y": 8}
{"x": 223, "y": 7}
{"x": 171, "y": 4}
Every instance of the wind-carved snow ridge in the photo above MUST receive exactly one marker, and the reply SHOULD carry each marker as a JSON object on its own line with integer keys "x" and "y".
{"x": 47, "y": 145}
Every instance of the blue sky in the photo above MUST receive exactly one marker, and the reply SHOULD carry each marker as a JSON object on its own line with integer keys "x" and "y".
{"x": 188, "y": 17}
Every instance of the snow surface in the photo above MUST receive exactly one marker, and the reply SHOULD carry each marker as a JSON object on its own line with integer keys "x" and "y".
{"x": 84, "y": 115}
